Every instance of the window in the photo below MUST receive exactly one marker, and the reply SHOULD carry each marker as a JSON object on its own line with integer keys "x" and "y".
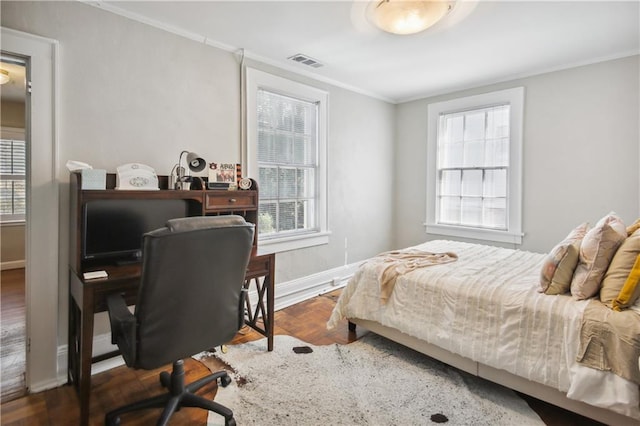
{"x": 286, "y": 154}
{"x": 474, "y": 167}
{"x": 13, "y": 194}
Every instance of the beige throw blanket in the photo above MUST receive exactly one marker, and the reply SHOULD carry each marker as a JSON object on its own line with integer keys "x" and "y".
{"x": 610, "y": 340}
{"x": 392, "y": 264}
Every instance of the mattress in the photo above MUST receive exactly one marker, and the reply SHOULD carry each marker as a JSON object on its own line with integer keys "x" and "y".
{"x": 486, "y": 307}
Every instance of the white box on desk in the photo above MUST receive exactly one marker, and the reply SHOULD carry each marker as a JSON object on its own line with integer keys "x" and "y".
{"x": 94, "y": 178}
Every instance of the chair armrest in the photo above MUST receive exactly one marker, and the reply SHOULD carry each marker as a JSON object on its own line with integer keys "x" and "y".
{"x": 123, "y": 326}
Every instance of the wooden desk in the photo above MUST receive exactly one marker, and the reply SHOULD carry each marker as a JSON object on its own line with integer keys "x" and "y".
{"x": 88, "y": 297}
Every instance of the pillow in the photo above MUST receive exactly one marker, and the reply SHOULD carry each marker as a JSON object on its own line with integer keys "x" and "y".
{"x": 633, "y": 227}
{"x": 630, "y": 293}
{"x": 558, "y": 266}
{"x": 596, "y": 251}
{"x": 619, "y": 268}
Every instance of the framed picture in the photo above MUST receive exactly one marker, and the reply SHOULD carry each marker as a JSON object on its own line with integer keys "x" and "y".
{"x": 224, "y": 175}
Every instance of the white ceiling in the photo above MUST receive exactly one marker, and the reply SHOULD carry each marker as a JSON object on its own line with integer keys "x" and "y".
{"x": 480, "y": 42}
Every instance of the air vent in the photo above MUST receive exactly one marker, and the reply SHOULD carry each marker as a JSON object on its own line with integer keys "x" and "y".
{"x": 304, "y": 59}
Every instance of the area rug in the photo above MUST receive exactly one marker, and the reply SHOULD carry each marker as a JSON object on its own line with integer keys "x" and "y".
{"x": 369, "y": 382}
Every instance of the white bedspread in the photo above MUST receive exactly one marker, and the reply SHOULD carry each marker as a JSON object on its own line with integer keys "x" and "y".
{"x": 486, "y": 307}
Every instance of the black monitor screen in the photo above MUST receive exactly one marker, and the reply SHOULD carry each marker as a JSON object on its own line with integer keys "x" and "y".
{"x": 113, "y": 229}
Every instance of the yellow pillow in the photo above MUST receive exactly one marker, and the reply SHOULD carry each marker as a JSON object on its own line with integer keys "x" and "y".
{"x": 619, "y": 268}
{"x": 633, "y": 227}
{"x": 631, "y": 290}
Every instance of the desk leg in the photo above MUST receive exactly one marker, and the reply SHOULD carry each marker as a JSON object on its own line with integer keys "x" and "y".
{"x": 80, "y": 351}
{"x": 270, "y": 283}
{"x": 260, "y": 315}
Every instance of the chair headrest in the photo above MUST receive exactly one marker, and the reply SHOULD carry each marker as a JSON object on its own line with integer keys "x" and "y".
{"x": 204, "y": 222}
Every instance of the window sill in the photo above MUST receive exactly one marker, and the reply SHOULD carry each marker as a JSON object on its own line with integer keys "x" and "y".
{"x": 17, "y": 222}
{"x": 280, "y": 245}
{"x": 475, "y": 233}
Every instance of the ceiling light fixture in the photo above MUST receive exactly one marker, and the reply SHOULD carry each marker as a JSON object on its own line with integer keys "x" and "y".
{"x": 4, "y": 76}
{"x": 407, "y": 17}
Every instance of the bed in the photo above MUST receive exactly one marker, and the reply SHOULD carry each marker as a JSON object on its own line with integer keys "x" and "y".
{"x": 481, "y": 310}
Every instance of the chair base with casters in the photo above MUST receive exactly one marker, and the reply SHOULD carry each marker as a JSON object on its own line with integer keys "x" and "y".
{"x": 179, "y": 395}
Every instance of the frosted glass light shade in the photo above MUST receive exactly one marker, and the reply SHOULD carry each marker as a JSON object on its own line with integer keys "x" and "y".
{"x": 4, "y": 76}
{"x": 406, "y": 16}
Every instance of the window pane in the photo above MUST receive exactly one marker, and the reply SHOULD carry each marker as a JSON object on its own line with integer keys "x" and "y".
{"x": 286, "y": 216}
{"x": 497, "y": 153}
{"x": 472, "y": 183}
{"x": 266, "y": 218}
{"x": 495, "y": 183}
{"x": 268, "y": 178}
{"x": 451, "y": 181}
{"x": 474, "y": 153}
{"x": 498, "y": 122}
{"x": 287, "y": 183}
{"x": 471, "y": 211}
{"x": 6, "y": 202}
{"x": 19, "y": 197}
{"x": 301, "y": 215}
{"x": 494, "y": 213}
{"x": 474, "y": 126}
{"x": 306, "y": 183}
{"x": 12, "y": 183}
{"x": 450, "y": 210}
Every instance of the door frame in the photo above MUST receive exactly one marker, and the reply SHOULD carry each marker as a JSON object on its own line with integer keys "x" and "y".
{"x": 42, "y": 272}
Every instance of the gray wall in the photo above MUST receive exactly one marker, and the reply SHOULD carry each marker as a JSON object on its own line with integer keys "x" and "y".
{"x": 129, "y": 92}
{"x": 580, "y": 152}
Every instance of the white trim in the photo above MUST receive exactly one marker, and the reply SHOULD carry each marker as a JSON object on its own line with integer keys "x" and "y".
{"x": 515, "y": 98}
{"x": 293, "y": 243}
{"x": 254, "y": 81}
{"x": 42, "y": 238}
{"x": 475, "y": 233}
{"x": 296, "y": 291}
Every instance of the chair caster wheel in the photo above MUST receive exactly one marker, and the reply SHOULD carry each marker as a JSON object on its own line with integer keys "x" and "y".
{"x": 230, "y": 422}
{"x": 165, "y": 379}
{"x": 225, "y": 381}
{"x": 111, "y": 421}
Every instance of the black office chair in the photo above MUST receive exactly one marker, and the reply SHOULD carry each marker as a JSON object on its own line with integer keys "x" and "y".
{"x": 191, "y": 298}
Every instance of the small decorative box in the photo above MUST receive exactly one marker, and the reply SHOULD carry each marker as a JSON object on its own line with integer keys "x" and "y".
{"x": 94, "y": 178}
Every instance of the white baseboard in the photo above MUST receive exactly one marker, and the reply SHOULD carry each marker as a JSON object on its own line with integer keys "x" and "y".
{"x": 287, "y": 294}
{"x": 14, "y": 264}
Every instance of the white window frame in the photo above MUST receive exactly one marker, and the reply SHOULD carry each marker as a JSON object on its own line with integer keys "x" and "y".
{"x": 255, "y": 80}
{"x": 515, "y": 98}
{"x": 14, "y": 133}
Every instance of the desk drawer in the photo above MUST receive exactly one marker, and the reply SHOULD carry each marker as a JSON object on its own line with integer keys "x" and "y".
{"x": 230, "y": 201}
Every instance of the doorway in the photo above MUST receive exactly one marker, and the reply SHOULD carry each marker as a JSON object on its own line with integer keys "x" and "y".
{"x": 41, "y": 271}
{"x": 13, "y": 172}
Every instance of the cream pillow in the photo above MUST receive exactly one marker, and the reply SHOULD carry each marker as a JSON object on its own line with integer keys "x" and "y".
{"x": 558, "y": 266}
{"x": 619, "y": 268}
{"x": 596, "y": 251}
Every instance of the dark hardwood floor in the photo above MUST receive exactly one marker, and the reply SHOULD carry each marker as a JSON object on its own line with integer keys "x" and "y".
{"x": 13, "y": 334}
{"x": 114, "y": 388}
